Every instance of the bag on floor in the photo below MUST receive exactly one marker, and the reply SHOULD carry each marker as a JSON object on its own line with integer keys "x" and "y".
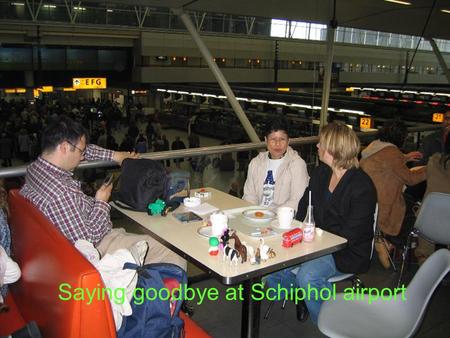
{"x": 155, "y": 317}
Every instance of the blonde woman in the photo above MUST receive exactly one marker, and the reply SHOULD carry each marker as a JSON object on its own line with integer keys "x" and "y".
{"x": 344, "y": 200}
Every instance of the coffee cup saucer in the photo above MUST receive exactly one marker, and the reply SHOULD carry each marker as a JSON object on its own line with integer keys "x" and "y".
{"x": 275, "y": 225}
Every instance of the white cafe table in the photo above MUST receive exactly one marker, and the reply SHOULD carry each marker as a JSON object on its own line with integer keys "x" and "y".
{"x": 183, "y": 239}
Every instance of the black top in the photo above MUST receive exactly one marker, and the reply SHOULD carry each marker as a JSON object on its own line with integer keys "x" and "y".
{"x": 348, "y": 213}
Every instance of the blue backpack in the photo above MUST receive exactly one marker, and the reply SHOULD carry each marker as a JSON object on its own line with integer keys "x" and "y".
{"x": 156, "y": 318}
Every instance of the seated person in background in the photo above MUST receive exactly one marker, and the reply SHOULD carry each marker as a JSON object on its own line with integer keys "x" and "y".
{"x": 438, "y": 180}
{"x": 277, "y": 177}
{"x": 344, "y": 200}
{"x": 434, "y": 143}
{"x": 383, "y": 161}
{"x": 431, "y": 144}
{"x": 50, "y": 186}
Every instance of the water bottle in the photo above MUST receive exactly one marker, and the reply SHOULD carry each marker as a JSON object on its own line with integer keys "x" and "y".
{"x": 309, "y": 226}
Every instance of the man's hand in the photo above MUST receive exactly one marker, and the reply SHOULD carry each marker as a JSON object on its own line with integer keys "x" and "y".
{"x": 104, "y": 192}
{"x": 413, "y": 156}
{"x": 119, "y": 156}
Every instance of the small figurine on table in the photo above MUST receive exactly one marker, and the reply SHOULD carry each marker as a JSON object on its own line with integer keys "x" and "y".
{"x": 225, "y": 238}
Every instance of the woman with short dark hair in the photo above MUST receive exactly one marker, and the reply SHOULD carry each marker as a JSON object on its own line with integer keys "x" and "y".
{"x": 277, "y": 177}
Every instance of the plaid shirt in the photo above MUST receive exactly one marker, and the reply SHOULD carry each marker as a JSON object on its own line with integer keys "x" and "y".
{"x": 59, "y": 197}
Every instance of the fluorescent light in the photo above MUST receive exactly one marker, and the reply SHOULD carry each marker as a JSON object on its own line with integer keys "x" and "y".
{"x": 185, "y": 93}
{"x": 278, "y": 103}
{"x": 222, "y": 97}
{"x": 359, "y": 112}
{"x": 241, "y": 99}
{"x": 406, "y": 3}
{"x": 161, "y": 90}
{"x": 209, "y": 95}
{"x": 17, "y": 4}
{"x": 196, "y": 94}
{"x": 445, "y": 11}
{"x": 172, "y": 91}
{"x": 258, "y": 101}
{"x": 79, "y": 8}
{"x": 109, "y": 10}
{"x": 49, "y": 6}
{"x": 426, "y": 93}
{"x": 301, "y": 105}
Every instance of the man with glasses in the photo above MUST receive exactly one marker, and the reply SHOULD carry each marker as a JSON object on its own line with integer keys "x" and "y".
{"x": 50, "y": 186}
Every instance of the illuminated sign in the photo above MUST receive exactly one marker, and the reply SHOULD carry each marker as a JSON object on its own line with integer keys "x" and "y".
{"x": 438, "y": 117}
{"x": 69, "y": 89}
{"x": 284, "y": 89}
{"x": 46, "y": 89}
{"x": 365, "y": 122}
{"x": 89, "y": 82}
{"x": 43, "y": 89}
{"x": 15, "y": 91}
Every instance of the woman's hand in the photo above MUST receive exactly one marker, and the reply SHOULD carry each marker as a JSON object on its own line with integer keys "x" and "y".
{"x": 119, "y": 156}
{"x": 413, "y": 156}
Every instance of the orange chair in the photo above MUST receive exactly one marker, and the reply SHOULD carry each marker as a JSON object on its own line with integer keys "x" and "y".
{"x": 47, "y": 259}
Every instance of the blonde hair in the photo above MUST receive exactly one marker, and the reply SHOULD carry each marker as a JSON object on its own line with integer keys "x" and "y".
{"x": 342, "y": 143}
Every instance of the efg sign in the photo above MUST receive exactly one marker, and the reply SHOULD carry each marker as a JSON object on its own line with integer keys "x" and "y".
{"x": 89, "y": 82}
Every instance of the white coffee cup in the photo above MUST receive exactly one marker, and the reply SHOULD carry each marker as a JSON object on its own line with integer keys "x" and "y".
{"x": 285, "y": 217}
{"x": 219, "y": 223}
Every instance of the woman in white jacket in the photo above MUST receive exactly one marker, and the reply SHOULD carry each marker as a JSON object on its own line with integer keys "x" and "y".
{"x": 277, "y": 177}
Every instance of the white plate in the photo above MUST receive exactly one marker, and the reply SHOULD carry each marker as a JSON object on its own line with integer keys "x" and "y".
{"x": 295, "y": 224}
{"x": 205, "y": 231}
{"x": 264, "y": 215}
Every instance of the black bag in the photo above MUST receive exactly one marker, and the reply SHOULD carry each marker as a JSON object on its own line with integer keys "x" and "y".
{"x": 142, "y": 182}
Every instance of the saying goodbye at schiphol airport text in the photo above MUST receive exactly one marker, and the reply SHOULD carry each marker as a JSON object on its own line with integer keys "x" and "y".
{"x": 258, "y": 293}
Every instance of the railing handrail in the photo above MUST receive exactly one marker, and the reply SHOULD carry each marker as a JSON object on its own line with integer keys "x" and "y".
{"x": 203, "y": 151}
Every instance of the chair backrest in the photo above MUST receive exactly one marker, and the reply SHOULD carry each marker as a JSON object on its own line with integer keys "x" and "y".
{"x": 52, "y": 267}
{"x": 433, "y": 221}
{"x": 422, "y": 286}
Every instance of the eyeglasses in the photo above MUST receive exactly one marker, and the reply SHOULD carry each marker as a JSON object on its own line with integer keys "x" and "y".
{"x": 82, "y": 151}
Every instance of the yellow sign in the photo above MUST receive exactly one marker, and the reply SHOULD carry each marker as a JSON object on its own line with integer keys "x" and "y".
{"x": 438, "y": 117}
{"x": 284, "y": 89}
{"x": 46, "y": 89}
{"x": 365, "y": 122}
{"x": 89, "y": 82}
{"x": 43, "y": 89}
{"x": 69, "y": 89}
{"x": 15, "y": 91}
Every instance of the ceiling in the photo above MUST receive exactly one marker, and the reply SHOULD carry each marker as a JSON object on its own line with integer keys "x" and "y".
{"x": 377, "y": 15}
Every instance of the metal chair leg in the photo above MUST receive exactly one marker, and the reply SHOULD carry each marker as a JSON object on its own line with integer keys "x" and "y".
{"x": 389, "y": 254}
{"x": 267, "y": 313}
{"x": 404, "y": 258}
